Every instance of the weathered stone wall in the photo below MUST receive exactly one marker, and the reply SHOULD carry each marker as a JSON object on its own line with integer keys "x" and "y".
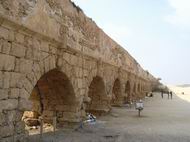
{"x": 52, "y": 45}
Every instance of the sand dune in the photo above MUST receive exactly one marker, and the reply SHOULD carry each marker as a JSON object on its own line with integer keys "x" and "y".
{"x": 180, "y": 90}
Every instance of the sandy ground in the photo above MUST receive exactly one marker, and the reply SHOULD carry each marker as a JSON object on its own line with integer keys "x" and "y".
{"x": 179, "y": 90}
{"x": 162, "y": 120}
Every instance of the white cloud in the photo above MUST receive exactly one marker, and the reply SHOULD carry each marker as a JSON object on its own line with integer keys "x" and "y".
{"x": 181, "y": 16}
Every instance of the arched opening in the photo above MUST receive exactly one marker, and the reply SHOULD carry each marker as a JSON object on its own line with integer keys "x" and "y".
{"x": 139, "y": 87}
{"x": 116, "y": 92}
{"x": 128, "y": 92}
{"x": 99, "y": 102}
{"x": 52, "y": 97}
{"x": 134, "y": 92}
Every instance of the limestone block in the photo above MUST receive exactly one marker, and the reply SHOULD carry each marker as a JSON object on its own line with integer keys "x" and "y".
{"x": 52, "y": 63}
{"x": 43, "y": 55}
{"x": 20, "y": 127}
{"x": 14, "y": 93}
{"x": 73, "y": 60}
{"x": 6, "y": 131}
{"x": 29, "y": 53}
{"x": 7, "y": 139}
{"x": 87, "y": 64}
{"x": 17, "y": 65}
{"x": 18, "y": 50}
{"x": 47, "y": 64}
{"x": 7, "y": 62}
{"x": 8, "y": 104}
{"x": 87, "y": 99}
{"x": 21, "y": 137}
{"x": 93, "y": 64}
{"x": 36, "y": 54}
{"x": 60, "y": 62}
{"x": 36, "y": 43}
{"x": 16, "y": 80}
{"x": 85, "y": 73}
{"x": 25, "y": 66}
{"x": 80, "y": 83}
{"x": 19, "y": 37}
{"x": 68, "y": 70}
{"x": 12, "y": 116}
{"x": 24, "y": 94}
{"x": 52, "y": 49}
{"x": 80, "y": 62}
{"x": 37, "y": 71}
{"x": 25, "y": 105}
{"x": 2, "y": 118}
{"x": 1, "y": 79}
{"x": 5, "y": 46}
{"x": 31, "y": 76}
{"x": 27, "y": 85}
{"x": 45, "y": 46}
{"x": 82, "y": 92}
{"x": 6, "y": 79}
{"x": 4, "y": 33}
{"x": 3, "y": 94}
{"x": 11, "y": 36}
{"x": 66, "y": 56}
{"x": 28, "y": 41}
{"x": 36, "y": 67}
{"x": 80, "y": 72}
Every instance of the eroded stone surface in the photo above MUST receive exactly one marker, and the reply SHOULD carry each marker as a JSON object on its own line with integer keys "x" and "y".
{"x": 55, "y": 61}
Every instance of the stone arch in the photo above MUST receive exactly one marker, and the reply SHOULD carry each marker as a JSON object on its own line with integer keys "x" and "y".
{"x": 99, "y": 100}
{"x": 128, "y": 91}
{"x": 117, "y": 93}
{"x": 53, "y": 95}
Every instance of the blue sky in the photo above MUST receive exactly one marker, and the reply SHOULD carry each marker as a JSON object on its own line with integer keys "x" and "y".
{"x": 155, "y": 32}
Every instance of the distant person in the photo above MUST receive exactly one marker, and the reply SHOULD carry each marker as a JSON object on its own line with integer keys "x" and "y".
{"x": 162, "y": 94}
{"x": 171, "y": 94}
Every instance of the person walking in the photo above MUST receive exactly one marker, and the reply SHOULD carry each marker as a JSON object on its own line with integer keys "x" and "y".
{"x": 171, "y": 94}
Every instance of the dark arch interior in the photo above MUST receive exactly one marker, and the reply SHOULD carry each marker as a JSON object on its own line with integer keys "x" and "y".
{"x": 133, "y": 97}
{"x": 98, "y": 103}
{"x": 53, "y": 95}
{"x": 127, "y": 87}
{"x": 117, "y": 94}
{"x": 127, "y": 91}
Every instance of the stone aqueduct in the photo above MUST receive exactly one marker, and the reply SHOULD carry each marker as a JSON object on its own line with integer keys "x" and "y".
{"x": 55, "y": 60}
